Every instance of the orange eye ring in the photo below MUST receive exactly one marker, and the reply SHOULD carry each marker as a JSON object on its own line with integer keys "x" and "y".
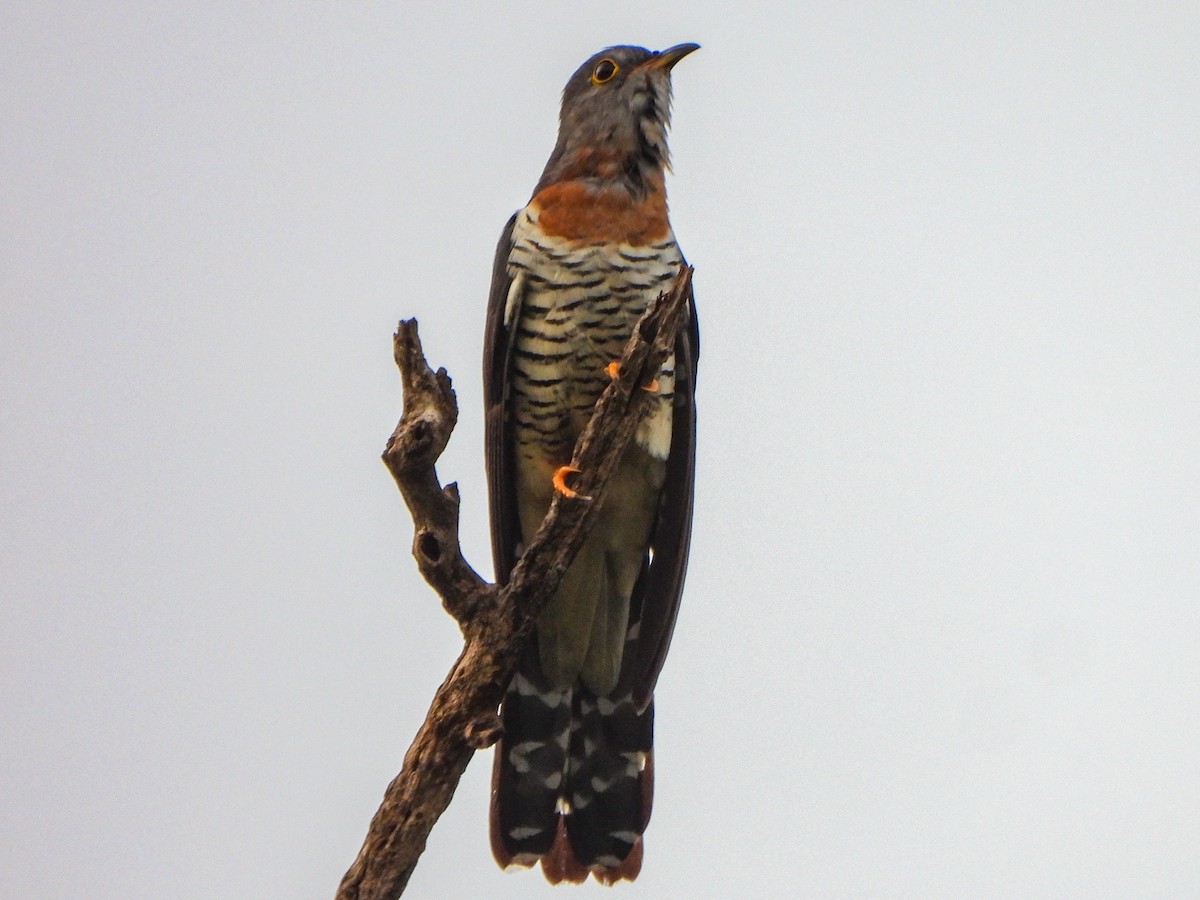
{"x": 604, "y": 71}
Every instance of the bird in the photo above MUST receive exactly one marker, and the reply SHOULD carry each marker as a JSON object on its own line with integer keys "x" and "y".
{"x": 573, "y": 772}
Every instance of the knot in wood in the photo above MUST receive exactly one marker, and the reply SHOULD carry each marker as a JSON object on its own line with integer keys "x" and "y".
{"x": 484, "y": 731}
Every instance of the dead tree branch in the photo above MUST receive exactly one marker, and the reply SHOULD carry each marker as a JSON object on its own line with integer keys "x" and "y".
{"x": 494, "y": 621}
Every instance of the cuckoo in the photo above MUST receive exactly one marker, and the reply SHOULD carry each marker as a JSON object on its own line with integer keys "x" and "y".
{"x": 575, "y": 269}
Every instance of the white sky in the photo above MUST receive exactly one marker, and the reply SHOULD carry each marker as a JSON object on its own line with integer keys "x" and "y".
{"x": 940, "y": 632}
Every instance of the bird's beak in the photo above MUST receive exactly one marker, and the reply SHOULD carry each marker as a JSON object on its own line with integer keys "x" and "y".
{"x": 667, "y": 58}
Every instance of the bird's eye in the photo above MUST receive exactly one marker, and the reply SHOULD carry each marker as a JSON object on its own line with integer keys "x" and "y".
{"x": 604, "y": 71}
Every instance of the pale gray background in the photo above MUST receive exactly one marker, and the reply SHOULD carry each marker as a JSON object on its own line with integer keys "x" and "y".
{"x": 940, "y": 637}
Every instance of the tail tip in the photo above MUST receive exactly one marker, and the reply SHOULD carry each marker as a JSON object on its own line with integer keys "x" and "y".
{"x": 627, "y": 870}
{"x": 561, "y": 864}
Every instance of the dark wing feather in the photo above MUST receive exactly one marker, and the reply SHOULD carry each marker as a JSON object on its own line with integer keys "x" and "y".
{"x": 661, "y": 584}
{"x": 506, "y": 531}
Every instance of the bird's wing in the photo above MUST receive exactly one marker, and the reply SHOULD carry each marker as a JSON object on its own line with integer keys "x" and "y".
{"x": 506, "y": 529}
{"x": 659, "y": 588}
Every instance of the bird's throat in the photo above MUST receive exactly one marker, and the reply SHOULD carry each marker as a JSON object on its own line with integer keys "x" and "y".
{"x": 581, "y": 211}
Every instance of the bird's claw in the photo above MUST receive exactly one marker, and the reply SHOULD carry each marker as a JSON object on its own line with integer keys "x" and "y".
{"x": 560, "y": 483}
{"x": 614, "y": 371}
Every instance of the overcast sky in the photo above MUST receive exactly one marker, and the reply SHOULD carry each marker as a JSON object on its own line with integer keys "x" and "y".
{"x": 940, "y": 633}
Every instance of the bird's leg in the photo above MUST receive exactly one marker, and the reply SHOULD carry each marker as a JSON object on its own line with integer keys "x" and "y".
{"x": 560, "y": 482}
{"x": 614, "y": 371}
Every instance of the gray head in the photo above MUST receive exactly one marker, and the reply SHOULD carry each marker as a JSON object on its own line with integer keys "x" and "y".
{"x": 615, "y": 113}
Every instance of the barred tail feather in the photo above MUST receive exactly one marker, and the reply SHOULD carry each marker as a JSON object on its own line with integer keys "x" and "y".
{"x": 609, "y": 751}
{"x": 572, "y": 780}
{"x": 529, "y": 767}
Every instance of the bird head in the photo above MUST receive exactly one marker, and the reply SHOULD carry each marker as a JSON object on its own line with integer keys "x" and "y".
{"x": 615, "y": 113}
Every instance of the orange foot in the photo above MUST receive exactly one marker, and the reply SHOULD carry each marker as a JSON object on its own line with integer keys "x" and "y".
{"x": 560, "y": 482}
{"x": 614, "y": 371}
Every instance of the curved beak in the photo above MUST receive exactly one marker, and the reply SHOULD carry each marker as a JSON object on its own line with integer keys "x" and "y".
{"x": 667, "y": 58}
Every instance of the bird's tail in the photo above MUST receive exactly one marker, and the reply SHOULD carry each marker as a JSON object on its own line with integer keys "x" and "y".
{"x": 572, "y": 779}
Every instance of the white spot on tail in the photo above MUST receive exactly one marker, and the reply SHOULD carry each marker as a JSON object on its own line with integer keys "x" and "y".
{"x": 518, "y": 756}
{"x": 600, "y": 785}
{"x": 521, "y": 832}
{"x": 608, "y": 707}
{"x": 581, "y": 801}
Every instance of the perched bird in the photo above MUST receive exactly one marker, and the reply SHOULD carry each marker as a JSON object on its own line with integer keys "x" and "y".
{"x": 575, "y": 269}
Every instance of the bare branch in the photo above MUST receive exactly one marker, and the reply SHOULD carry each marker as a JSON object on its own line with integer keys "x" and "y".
{"x": 429, "y": 416}
{"x": 462, "y": 717}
